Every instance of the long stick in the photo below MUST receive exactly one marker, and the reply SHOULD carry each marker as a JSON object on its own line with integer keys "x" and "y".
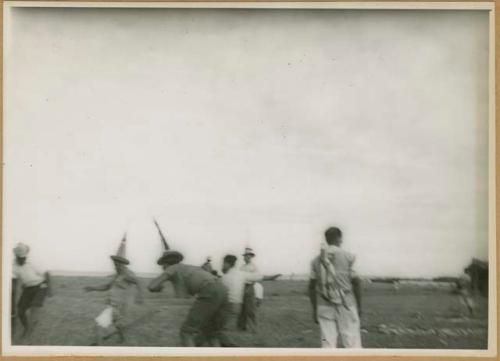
{"x": 163, "y": 240}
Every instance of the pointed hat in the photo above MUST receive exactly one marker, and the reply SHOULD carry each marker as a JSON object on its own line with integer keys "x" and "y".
{"x": 169, "y": 256}
{"x": 121, "y": 253}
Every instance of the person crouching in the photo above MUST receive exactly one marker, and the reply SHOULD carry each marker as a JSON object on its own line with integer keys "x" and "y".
{"x": 206, "y": 318}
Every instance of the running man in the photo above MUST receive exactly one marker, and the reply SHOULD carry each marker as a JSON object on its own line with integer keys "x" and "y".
{"x": 118, "y": 298}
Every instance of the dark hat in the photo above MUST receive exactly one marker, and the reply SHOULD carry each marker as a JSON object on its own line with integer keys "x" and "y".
{"x": 170, "y": 257}
{"x": 120, "y": 254}
{"x": 249, "y": 251}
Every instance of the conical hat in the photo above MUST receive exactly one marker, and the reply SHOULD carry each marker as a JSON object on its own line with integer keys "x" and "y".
{"x": 121, "y": 253}
{"x": 162, "y": 237}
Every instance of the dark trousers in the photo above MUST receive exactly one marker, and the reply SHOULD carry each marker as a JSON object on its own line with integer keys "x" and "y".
{"x": 207, "y": 317}
{"x": 248, "y": 313}
{"x": 33, "y": 296}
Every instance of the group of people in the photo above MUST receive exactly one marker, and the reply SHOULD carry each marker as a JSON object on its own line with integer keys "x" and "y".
{"x": 221, "y": 300}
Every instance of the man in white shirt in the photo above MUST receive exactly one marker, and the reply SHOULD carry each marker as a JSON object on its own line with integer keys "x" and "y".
{"x": 237, "y": 281}
{"x": 35, "y": 287}
{"x": 248, "y": 313}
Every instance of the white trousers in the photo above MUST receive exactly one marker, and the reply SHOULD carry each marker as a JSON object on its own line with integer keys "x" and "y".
{"x": 337, "y": 321}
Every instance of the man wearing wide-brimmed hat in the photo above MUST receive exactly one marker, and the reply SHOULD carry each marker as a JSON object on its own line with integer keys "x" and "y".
{"x": 206, "y": 318}
{"x": 119, "y": 296}
{"x": 247, "y": 318}
{"x": 35, "y": 287}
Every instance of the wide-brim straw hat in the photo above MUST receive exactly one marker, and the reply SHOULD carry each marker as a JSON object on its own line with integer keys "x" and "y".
{"x": 170, "y": 257}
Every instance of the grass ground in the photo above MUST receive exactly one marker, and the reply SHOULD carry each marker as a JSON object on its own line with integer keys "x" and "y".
{"x": 409, "y": 317}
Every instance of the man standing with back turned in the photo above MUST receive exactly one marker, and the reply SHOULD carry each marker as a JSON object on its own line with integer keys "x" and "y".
{"x": 334, "y": 294}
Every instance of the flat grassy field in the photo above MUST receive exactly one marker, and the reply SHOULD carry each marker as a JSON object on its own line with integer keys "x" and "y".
{"x": 412, "y": 316}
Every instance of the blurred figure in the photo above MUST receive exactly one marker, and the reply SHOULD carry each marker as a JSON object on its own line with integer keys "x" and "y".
{"x": 464, "y": 291}
{"x": 206, "y": 318}
{"x": 207, "y": 266}
{"x": 35, "y": 287}
{"x": 333, "y": 296}
{"x": 117, "y": 301}
{"x": 236, "y": 282}
{"x": 247, "y": 318}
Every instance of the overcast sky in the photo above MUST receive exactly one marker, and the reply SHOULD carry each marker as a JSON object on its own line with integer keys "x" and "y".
{"x": 247, "y": 127}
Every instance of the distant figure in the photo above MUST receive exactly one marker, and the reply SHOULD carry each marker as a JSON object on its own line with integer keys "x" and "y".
{"x": 206, "y": 318}
{"x": 463, "y": 289}
{"x": 395, "y": 285}
{"x": 35, "y": 287}
{"x": 248, "y": 314}
{"x": 236, "y": 280}
{"x": 117, "y": 301}
{"x": 334, "y": 297}
{"x": 207, "y": 266}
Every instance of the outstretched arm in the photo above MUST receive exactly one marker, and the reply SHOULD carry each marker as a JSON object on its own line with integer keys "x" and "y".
{"x": 103, "y": 287}
{"x": 155, "y": 284}
{"x": 132, "y": 278}
{"x": 271, "y": 278}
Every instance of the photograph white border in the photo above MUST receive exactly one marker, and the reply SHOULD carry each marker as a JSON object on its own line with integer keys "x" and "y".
{"x": 9, "y": 350}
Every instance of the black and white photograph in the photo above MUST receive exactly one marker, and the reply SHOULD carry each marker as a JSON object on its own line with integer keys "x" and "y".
{"x": 248, "y": 179}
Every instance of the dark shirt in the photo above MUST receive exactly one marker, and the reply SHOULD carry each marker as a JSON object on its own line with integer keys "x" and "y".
{"x": 188, "y": 279}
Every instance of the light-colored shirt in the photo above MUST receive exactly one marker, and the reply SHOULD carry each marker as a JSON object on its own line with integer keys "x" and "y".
{"x": 342, "y": 262}
{"x": 120, "y": 289}
{"x": 188, "y": 279}
{"x": 250, "y": 268}
{"x": 235, "y": 280}
{"x": 27, "y": 275}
